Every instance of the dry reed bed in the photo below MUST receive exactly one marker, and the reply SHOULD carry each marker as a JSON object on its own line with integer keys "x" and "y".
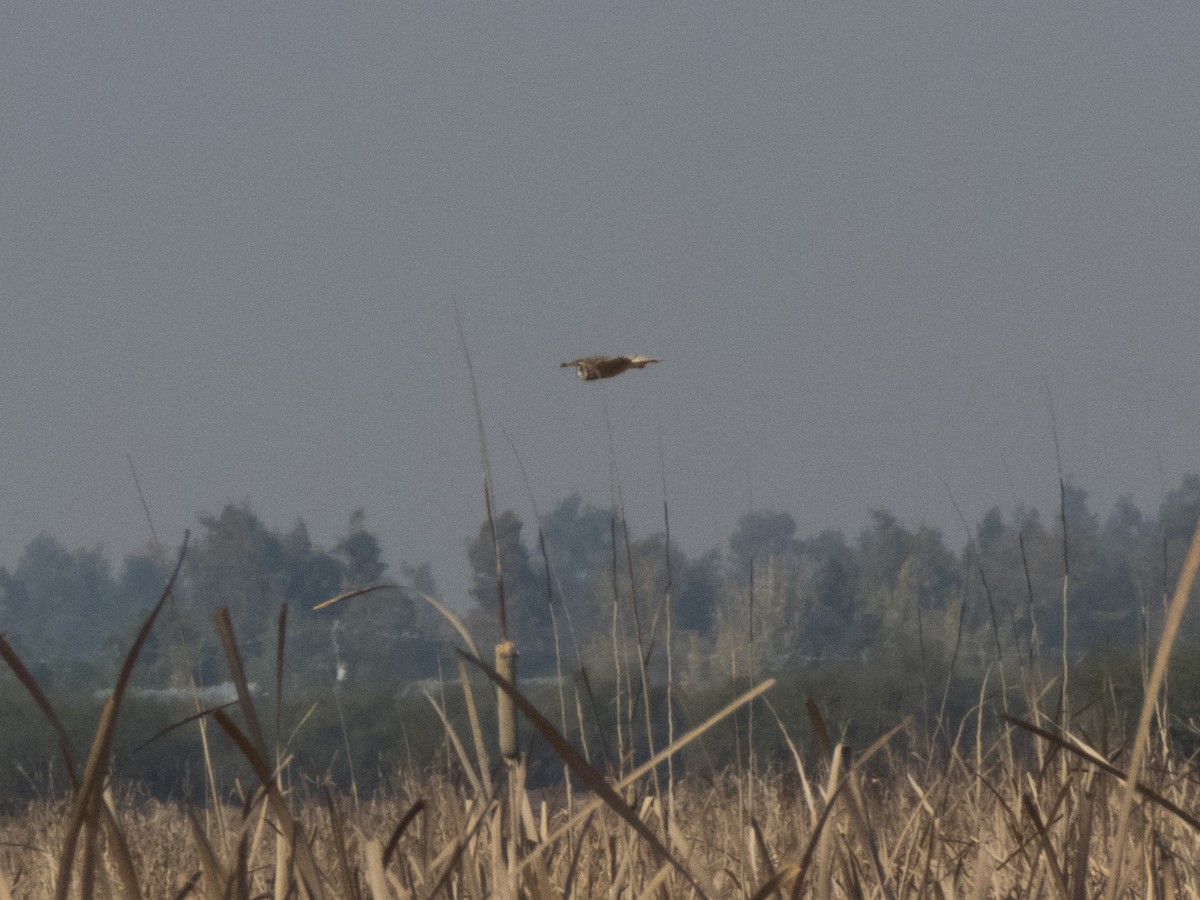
{"x": 949, "y": 833}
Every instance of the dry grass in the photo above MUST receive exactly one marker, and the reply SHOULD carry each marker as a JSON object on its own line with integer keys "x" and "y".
{"x": 958, "y": 833}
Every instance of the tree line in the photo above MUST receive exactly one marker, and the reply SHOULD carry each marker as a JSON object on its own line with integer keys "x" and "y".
{"x": 71, "y": 614}
{"x": 580, "y": 583}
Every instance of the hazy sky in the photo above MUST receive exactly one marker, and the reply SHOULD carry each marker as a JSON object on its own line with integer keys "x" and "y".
{"x": 859, "y": 236}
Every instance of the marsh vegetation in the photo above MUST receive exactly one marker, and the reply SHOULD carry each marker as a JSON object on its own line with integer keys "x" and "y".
{"x": 791, "y": 717}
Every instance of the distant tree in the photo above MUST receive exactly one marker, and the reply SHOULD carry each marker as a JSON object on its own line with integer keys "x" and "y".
{"x": 420, "y": 577}
{"x": 997, "y": 554}
{"x": 929, "y": 581}
{"x": 649, "y": 588}
{"x": 1125, "y": 525}
{"x": 991, "y": 534}
{"x": 1177, "y": 519}
{"x": 236, "y": 562}
{"x": 829, "y": 544}
{"x": 1080, "y": 517}
{"x": 699, "y": 592}
{"x": 389, "y": 636}
{"x": 61, "y": 601}
{"x": 1181, "y": 509}
{"x": 141, "y": 581}
{"x": 361, "y": 553}
{"x": 1103, "y": 595}
{"x": 426, "y": 621}
{"x": 836, "y": 605}
{"x": 1104, "y": 586}
{"x": 138, "y": 588}
{"x": 578, "y": 542}
{"x": 1131, "y": 561}
{"x": 312, "y": 575}
{"x": 882, "y": 549}
{"x": 763, "y": 615}
{"x": 524, "y": 592}
{"x": 761, "y": 535}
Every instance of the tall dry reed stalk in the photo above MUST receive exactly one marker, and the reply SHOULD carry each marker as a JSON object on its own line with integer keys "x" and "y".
{"x": 505, "y": 651}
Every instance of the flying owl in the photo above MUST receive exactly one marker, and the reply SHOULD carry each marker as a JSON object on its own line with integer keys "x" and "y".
{"x": 593, "y": 367}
